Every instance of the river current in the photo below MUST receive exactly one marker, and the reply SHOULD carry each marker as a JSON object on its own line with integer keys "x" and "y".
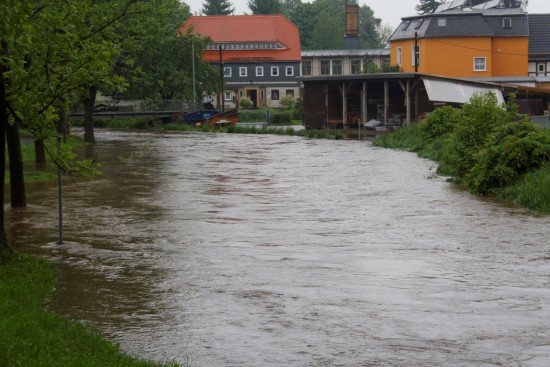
{"x": 261, "y": 250}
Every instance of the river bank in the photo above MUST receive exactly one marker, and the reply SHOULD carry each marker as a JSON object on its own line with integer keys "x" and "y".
{"x": 31, "y": 336}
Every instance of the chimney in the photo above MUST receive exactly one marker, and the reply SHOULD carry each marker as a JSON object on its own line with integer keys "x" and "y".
{"x": 351, "y": 39}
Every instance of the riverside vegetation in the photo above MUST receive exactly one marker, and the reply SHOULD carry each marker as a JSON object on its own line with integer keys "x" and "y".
{"x": 33, "y": 337}
{"x": 489, "y": 149}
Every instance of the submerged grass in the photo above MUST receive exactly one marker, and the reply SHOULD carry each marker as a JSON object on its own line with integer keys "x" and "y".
{"x": 33, "y": 337}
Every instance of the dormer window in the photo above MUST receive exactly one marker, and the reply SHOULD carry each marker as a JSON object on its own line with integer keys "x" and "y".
{"x": 442, "y": 22}
{"x": 507, "y": 23}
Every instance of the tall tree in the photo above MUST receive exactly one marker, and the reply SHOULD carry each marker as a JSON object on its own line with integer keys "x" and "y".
{"x": 217, "y": 7}
{"x": 369, "y": 28}
{"x": 427, "y": 6}
{"x": 265, "y": 6}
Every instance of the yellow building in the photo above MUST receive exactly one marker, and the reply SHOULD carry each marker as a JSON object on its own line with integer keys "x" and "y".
{"x": 464, "y": 42}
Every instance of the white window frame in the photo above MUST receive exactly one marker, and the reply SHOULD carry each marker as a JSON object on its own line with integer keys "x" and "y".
{"x": 227, "y": 71}
{"x": 414, "y": 51}
{"x": 289, "y": 71}
{"x": 243, "y": 71}
{"x": 507, "y": 23}
{"x": 259, "y": 71}
{"x": 274, "y": 71}
{"x": 227, "y": 96}
{"x": 441, "y": 22}
{"x": 477, "y": 67}
{"x": 541, "y": 68}
{"x": 399, "y": 56}
{"x": 275, "y": 93}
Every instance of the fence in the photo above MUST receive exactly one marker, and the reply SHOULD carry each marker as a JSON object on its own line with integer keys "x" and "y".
{"x": 543, "y": 121}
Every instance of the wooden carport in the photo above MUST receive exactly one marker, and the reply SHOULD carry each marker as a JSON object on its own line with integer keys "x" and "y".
{"x": 352, "y": 100}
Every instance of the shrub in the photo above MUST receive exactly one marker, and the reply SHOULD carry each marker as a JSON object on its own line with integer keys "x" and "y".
{"x": 288, "y": 102}
{"x": 442, "y": 121}
{"x": 245, "y": 103}
{"x": 510, "y": 152}
{"x": 479, "y": 118}
{"x": 281, "y": 117}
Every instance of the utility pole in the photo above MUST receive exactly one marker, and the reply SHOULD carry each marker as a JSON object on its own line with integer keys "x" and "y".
{"x": 416, "y": 58}
{"x": 221, "y": 78}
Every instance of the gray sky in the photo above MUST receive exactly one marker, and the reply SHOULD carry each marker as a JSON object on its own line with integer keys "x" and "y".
{"x": 390, "y": 11}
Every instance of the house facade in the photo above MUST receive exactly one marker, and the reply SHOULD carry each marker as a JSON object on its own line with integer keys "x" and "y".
{"x": 343, "y": 62}
{"x": 539, "y": 45}
{"x": 464, "y": 42}
{"x": 260, "y": 56}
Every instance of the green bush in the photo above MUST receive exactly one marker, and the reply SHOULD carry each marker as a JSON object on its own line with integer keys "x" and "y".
{"x": 510, "y": 152}
{"x": 442, "y": 121}
{"x": 287, "y": 102}
{"x": 481, "y": 116}
{"x": 281, "y": 117}
{"x": 245, "y": 103}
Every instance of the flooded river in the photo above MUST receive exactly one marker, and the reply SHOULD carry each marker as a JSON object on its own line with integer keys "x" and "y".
{"x": 264, "y": 251}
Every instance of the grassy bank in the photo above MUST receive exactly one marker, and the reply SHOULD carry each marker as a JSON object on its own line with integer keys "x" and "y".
{"x": 489, "y": 150}
{"x": 33, "y": 337}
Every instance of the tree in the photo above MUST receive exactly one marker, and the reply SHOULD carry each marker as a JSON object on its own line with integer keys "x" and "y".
{"x": 427, "y": 6}
{"x": 217, "y": 7}
{"x": 265, "y": 6}
{"x": 164, "y": 60}
{"x": 369, "y": 28}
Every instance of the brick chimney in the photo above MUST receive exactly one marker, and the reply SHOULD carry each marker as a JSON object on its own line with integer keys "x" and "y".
{"x": 351, "y": 39}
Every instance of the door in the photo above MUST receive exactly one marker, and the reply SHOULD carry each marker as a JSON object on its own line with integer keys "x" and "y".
{"x": 253, "y": 95}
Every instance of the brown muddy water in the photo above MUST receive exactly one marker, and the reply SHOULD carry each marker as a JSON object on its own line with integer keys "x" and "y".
{"x": 257, "y": 250}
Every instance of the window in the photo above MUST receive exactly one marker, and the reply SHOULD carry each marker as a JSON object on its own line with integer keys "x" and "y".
{"x": 507, "y": 23}
{"x": 242, "y": 71}
{"x": 442, "y": 22}
{"x": 406, "y": 25}
{"x": 399, "y": 57}
{"x": 274, "y": 71}
{"x": 336, "y": 67}
{"x": 541, "y": 68}
{"x": 356, "y": 66}
{"x": 415, "y": 55}
{"x": 480, "y": 64}
{"x": 290, "y": 92}
{"x": 227, "y": 71}
{"x": 289, "y": 71}
{"x": 306, "y": 68}
{"x": 419, "y": 23}
{"x": 275, "y": 94}
{"x": 259, "y": 71}
{"x": 325, "y": 67}
{"x": 262, "y": 96}
{"x": 227, "y": 96}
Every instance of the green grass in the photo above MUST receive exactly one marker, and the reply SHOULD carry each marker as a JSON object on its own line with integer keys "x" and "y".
{"x": 30, "y": 336}
{"x": 532, "y": 191}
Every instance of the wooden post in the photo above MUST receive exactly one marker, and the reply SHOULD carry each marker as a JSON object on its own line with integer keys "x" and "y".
{"x": 344, "y": 105}
{"x": 386, "y": 101}
{"x": 364, "y": 114}
{"x": 408, "y": 102}
{"x": 326, "y": 105}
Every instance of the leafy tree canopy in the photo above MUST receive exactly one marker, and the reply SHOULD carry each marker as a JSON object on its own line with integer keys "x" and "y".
{"x": 265, "y": 6}
{"x": 217, "y": 7}
{"x": 427, "y": 6}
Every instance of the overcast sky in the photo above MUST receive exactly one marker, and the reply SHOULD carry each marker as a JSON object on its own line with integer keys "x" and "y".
{"x": 390, "y": 11}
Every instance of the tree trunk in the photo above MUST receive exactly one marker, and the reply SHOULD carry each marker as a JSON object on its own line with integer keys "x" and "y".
{"x": 3, "y": 124}
{"x": 40, "y": 154}
{"x": 89, "y": 103}
{"x": 17, "y": 181}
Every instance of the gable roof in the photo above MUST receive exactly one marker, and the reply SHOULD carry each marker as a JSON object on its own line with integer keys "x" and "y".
{"x": 460, "y": 23}
{"x": 248, "y": 29}
{"x": 539, "y": 36}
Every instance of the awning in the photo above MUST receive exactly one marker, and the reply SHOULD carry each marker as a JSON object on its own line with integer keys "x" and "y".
{"x": 457, "y": 91}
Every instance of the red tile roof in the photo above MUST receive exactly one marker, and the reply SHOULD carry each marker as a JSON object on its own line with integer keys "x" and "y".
{"x": 248, "y": 28}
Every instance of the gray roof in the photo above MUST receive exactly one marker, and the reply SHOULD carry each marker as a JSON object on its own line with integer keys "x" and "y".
{"x": 461, "y": 23}
{"x": 539, "y": 36}
{"x": 344, "y": 53}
